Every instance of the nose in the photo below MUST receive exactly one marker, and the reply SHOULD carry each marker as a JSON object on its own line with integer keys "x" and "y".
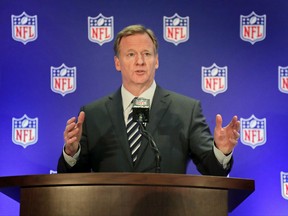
{"x": 140, "y": 60}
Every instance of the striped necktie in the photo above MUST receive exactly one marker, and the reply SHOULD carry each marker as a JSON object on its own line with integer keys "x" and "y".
{"x": 134, "y": 137}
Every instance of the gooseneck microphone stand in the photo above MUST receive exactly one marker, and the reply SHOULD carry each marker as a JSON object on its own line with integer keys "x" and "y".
{"x": 151, "y": 141}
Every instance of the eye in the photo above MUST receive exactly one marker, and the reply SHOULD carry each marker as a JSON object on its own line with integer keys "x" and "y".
{"x": 131, "y": 54}
{"x": 147, "y": 54}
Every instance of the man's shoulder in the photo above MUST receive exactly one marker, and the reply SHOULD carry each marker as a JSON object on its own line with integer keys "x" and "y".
{"x": 177, "y": 96}
{"x": 100, "y": 102}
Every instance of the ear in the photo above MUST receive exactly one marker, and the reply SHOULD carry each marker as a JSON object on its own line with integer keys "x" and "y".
{"x": 157, "y": 62}
{"x": 117, "y": 63}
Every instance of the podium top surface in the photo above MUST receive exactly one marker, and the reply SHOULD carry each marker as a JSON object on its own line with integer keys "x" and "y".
{"x": 180, "y": 180}
{"x": 238, "y": 189}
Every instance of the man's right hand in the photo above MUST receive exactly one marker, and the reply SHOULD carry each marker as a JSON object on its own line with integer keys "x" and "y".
{"x": 72, "y": 134}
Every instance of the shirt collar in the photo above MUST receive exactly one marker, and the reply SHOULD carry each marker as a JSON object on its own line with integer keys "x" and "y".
{"x": 127, "y": 97}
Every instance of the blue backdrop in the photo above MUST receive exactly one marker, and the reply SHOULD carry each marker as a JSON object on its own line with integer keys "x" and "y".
{"x": 232, "y": 55}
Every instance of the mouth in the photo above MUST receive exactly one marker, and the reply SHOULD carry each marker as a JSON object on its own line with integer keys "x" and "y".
{"x": 140, "y": 71}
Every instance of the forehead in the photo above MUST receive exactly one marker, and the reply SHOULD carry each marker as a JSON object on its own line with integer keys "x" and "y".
{"x": 136, "y": 42}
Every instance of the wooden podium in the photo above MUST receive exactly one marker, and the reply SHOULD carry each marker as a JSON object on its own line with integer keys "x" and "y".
{"x": 126, "y": 194}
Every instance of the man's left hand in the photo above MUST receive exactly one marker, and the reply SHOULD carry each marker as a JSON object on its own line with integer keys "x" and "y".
{"x": 226, "y": 138}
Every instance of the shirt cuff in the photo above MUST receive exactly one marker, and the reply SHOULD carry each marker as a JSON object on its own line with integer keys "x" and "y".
{"x": 222, "y": 158}
{"x": 72, "y": 160}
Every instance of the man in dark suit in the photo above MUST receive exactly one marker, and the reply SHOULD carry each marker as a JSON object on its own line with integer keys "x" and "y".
{"x": 98, "y": 141}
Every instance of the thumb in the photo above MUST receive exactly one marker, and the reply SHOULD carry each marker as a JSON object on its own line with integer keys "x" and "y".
{"x": 218, "y": 121}
{"x": 81, "y": 118}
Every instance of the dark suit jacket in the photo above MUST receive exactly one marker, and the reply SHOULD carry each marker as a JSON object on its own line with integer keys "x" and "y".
{"x": 176, "y": 124}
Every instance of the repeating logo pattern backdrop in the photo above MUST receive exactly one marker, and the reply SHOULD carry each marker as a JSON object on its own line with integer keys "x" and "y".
{"x": 58, "y": 55}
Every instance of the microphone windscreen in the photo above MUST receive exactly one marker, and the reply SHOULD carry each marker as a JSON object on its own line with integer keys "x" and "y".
{"x": 140, "y": 109}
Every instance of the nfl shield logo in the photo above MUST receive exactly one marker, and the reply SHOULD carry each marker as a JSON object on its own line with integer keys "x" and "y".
{"x": 176, "y": 29}
{"x": 284, "y": 184}
{"x": 24, "y": 28}
{"x": 253, "y": 131}
{"x": 253, "y": 27}
{"x": 24, "y": 131}
{"x": 214, "y": 79}
{"x": 100, "y": 29}
{"x": 283, "y": 79}
{"x": 63, "y": 79}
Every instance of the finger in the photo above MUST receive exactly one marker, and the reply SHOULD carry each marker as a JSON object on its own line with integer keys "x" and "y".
{"x": 72, "y": 137}
{"x": 73, "y": 133}
{"x": 233, "y": 122}
{"x": 69, "y": 128}
{"x": 219, "y": 121}
{"x": 70, "y": 125}
{"x": 81, "y": 118}
{"x": 237, "y": 128}
{"x": 70, "y": 141}
{"x": 233, "y": 141}
{"x": 71, "y": 120}
{"x": 67, "y": 136}
{"x": 236, "y": 134}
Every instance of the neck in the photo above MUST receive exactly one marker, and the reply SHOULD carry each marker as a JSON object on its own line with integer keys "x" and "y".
{"x": 137, "y": 90}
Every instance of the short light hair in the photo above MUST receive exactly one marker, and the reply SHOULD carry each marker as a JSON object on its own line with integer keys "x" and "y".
{"x": 132, "y": 30}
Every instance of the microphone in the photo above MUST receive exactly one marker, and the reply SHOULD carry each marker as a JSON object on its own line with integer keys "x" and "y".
{"x": 140, "y": 110}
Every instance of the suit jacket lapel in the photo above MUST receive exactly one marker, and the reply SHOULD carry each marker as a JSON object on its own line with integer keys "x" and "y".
{"x": 115, "y": 109}
{"x": 159, "y": 107}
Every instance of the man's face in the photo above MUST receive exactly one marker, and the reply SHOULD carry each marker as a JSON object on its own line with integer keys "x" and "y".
{"x": 137, "y": 61}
